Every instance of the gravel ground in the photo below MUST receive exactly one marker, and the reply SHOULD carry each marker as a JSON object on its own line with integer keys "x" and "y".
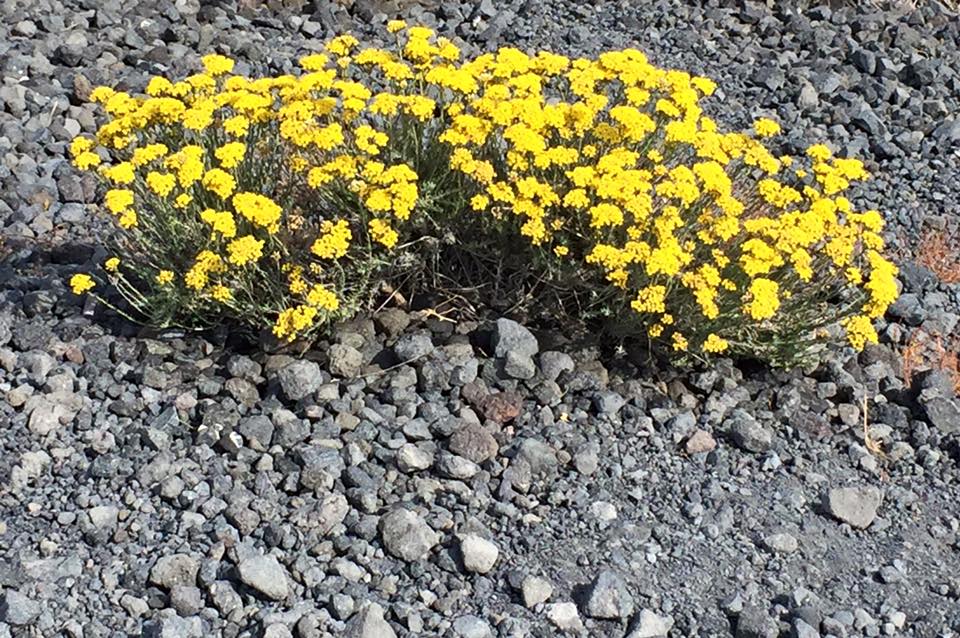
{"x": 404, "y": 479}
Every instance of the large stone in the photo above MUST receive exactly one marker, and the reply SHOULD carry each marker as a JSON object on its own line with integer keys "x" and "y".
{"x": 98, "y": 523}
{"x": 321, "y": 466}
{"x": 474, "y": 442}
{"x": 535, "y": 590}
{"x": 345, "y": 361}
{"x": 747, "y": 433}
{"x": 608, "y": 597}
{"x": 407, "y": 536}
{"x": 510, "y": 336}
{"x": 299, "y": 379}
{"x": 369, "y": 623}
{"x": 412, "y": 347}
{"x": 49, "y": 412}
{"x": 647, "y": 624}
{"x": 176, "y": 569}
{"x": 472, "y": 627}
{"x": 564, "y": 616}
{"x": 413, "y": 458}
{"x": 942, "y": 412}
{"x": 541, "y": 458}
{"x": 264, "y": 574}
{"x": 479, "y": 555}
{"x": 856, "y": 506}
{"x": 18, "y": 609}
{"x": 753, "y": 622}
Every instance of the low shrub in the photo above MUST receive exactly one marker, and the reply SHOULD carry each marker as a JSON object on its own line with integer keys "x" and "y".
{"x": 283, "y": 201}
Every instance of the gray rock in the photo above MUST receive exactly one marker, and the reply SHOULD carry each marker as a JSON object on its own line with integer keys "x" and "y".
{"x": 553, "y": 364}
{"x": 345, "y": 361}
{"x": 299, "y": 379}
{"x": 472, "y": 627}
{"x": 479, "y": 555}
{"x": 535, "y": 591}
{"x": 647, "y": 624}
{"x": 320, "y": 466}
{"x": 98, "y": 523}
{"x": 781, "y": 542}
{"x": 608, "y": 597}
{"x": 174, "y": 627}
{"x": 856, "y": 506}
{"x": 564, "y": 616}
{"x": 264, "y": 574}
{"x": 175, "y": 570}
{"x": 747, "y": 433}
{"x": 510, "y": 336}
{"x": 753, "y": 622}
{"x": 188, "y": 601}
{"x": 369, "y": 623}
{"x": 225, "y": 599}
{"x": 455, "y": 467}
{"x": 49, "y": 412}
{"x": 412, "y": 347}
{"x": 257, "y": 428}
{"x": 18, "y": 609}
{"x": 407, "y": 536}
{"x": 801, "y": 629}
{"x": 541, "y": 457}
{"x": 474, "y": 442}
{"x": 941, "y": 411}
{"x": 413, "y": 458}
{"x": 608, "y": 402}
{"x": 392, "y": 321}
{"x": 587, "y": 458}
{"x": 519, "y": 366}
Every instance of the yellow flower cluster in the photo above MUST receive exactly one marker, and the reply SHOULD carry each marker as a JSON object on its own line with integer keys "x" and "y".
{"x": 267, "y": 199}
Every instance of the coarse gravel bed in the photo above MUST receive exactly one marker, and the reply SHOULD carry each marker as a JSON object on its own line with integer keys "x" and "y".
{"x": 404, "y": 483}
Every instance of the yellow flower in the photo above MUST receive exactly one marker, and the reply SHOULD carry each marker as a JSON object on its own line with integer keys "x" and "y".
{"x": 221, "y": 293}
{"x": 231, "y": 154}
{"x": 217, "y": 64}
{"x": 679, "y": 341}
{"x": 86, "y": 161}
{"x": 164, "y": 277}
{"x": 80, "y": 145}
{"x": 122, "y": 173}
{"x": 650, "y": 300}
{"x": 118, "y": 200}
{"x": 561, "y": 251}
{"x": 112, "y": 264}
{"x": 479, "y": 202}
{"x": 259, "y": 209}
{"x": 128, "y": 219}
{"x": 382, "y": 233}
{"x": 221, "y": 221}
{"x": 321, "y": 297}
{"x": 81, "y": 283}
{"x": 182, "y": 201}
{"x": 333, "y": 240}
{"x": 765, "y": 127}
{"x": 244, "y": 250}
{"x": 220, "y": 182}
{"x": 292, "y": 321}
{"x": 715, "y": 344}
{"x": 819, "y": 153}
{"x": 764, "y": 301}
{"x": 396, "y": 25}
{"x": 238, "y": 125}
{"x": 162, "y": 184}
{"x": 860, "y": 331}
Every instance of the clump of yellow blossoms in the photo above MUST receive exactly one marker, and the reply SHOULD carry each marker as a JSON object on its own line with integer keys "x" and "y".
{"x": 281, "y": 201}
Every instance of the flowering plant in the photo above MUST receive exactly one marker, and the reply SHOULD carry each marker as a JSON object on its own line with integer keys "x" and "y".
{"x": 281, "y": 201}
